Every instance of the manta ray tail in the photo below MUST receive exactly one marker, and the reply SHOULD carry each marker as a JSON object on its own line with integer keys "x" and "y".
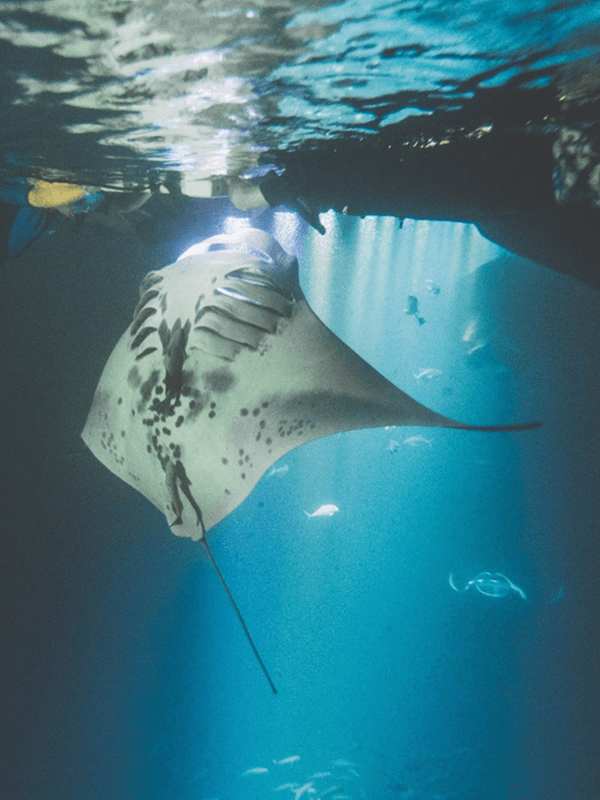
{"x": 238, "y": 613}
{"x": 524, "y": 426}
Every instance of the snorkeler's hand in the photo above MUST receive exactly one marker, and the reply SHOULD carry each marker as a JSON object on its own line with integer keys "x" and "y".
{"x": 277, "y": 191}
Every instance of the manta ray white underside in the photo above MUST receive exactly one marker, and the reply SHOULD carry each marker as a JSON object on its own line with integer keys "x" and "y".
{"x": 224, "y": 369}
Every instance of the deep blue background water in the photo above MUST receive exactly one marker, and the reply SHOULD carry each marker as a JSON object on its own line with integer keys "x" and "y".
{"x": 127, "y": 673}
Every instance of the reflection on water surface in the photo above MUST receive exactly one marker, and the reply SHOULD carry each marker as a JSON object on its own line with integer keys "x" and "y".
{"x": 206, "y": 88}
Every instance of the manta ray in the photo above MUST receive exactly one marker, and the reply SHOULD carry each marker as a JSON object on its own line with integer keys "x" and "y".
{"x": 225, "y": 369}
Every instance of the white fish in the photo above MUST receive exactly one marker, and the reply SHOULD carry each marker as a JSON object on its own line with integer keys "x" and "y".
{"x": 342, "y": 762}
{"x": 323, "y": 511}
{"x": 393, "y": 446}
{"x": 281, "y": 471}
{"x": 283, "y": 786}
{"x": 320, "y": 775}
{"x": 418, "y": 441}
{"x": 288, "y": 760}
{"x": 254, "y": 771}
{"x": 428, "y": 374}
{"x": 308, "y": 788}
{"x": 476, "y": 348}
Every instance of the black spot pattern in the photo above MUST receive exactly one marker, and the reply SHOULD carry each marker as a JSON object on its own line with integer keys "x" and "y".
{"x": 134, "y": 378}
{"x": 219, "y": 380}
{"x": 147, "y": 387}
{"x": 288, "y": 427}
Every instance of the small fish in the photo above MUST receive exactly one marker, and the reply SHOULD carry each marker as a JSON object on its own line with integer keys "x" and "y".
{"x": 558, "y": 595}
{"x": 288, "y": 760}
{"x": 281, "y": 471}
{"x": 476, "y": 348}
{"x": 320, "y": 775}
{"x": 323, "y": 511}
{"x": 283, "y": 786}
{"x": 418, "y": 441}
{"x": 432, "y": 287}
{"x": 412, "y": 309}
{"x": 308, "y": 788}
{"x": 342, "y": 762}
{"x": 393, "y": 446}
{"x": 254, "y": 771}
{"x": 428, "y": 374}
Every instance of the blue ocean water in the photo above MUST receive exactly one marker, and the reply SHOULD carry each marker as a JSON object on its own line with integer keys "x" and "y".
{"x": 125, "y": 672}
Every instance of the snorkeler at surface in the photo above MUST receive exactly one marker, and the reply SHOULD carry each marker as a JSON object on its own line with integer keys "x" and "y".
{"x": 502, "y": 182}
{"x": 32, "y": 209}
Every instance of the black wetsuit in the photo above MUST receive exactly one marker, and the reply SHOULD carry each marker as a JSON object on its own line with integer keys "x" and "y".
{"x": 501, "y": 182}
